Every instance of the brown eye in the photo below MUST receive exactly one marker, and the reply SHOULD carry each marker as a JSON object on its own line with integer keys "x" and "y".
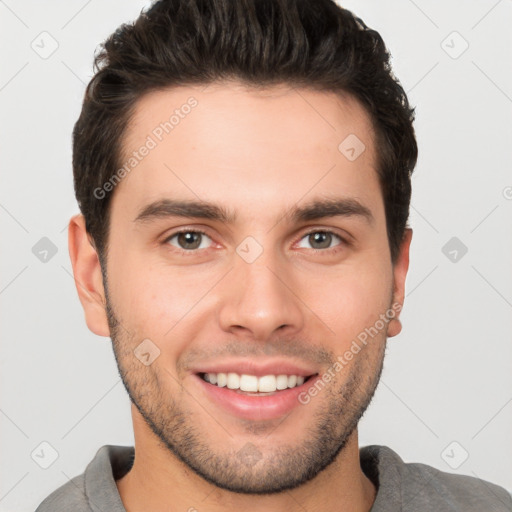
{"x": 319, "y": 240}
{"x": 188, "y": 240}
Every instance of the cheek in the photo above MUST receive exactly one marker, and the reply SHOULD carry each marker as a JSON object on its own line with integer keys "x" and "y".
{"x": 156, "y": 301}
{"x": 351, "y": 301}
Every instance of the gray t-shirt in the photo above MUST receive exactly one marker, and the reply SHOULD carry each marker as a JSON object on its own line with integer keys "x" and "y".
{"x": 400, "y": 486}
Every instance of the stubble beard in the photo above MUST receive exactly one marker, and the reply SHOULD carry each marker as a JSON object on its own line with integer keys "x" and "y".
{"x": 249, "y": 468}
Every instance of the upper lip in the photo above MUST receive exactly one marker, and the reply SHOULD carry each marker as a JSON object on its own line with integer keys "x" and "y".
{"x": 254, "y": 367}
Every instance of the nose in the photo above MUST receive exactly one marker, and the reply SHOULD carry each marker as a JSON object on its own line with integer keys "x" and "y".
{"x": 260, "y": 299}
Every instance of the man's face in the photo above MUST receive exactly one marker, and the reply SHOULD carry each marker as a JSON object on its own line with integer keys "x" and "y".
{"x": 265, "y": 294}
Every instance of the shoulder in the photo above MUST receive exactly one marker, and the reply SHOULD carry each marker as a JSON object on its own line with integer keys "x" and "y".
{"x": 70, "y": 496}
{"x": 423, "y": 487}
{"x": 95, "y": 489}
{"x": 422, "y": 482}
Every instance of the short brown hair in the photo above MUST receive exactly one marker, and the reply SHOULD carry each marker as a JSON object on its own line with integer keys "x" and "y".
{"x": 304, "y": 43}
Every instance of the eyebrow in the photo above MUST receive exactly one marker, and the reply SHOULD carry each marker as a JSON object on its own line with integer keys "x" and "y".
{"x": 314, "y": 210}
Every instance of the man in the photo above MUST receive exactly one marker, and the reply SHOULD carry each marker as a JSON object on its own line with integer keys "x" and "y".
{"x": 243, "y": 172}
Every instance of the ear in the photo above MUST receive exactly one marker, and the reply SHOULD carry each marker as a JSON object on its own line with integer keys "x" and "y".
{"x": 399, "y": 274}
{"x": 88, "y": 277}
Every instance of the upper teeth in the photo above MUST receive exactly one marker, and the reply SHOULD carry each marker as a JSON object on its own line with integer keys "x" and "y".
{"x": 265, "y": 384}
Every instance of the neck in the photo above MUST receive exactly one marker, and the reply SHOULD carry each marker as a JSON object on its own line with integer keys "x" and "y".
{"x": 158, "y": 481}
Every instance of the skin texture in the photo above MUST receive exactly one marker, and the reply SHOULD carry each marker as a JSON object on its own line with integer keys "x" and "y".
{"x": 256, "y": 153}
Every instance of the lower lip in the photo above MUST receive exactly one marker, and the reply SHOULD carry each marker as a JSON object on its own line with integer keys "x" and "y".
{"x": 254, "y": 407}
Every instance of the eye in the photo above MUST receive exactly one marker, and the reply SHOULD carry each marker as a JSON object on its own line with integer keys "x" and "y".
{"x": 188, "y": 240}
{"x": 322, "y": 239}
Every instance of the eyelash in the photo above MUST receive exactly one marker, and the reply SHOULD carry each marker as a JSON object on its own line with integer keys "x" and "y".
{"x": 193, "y": 252}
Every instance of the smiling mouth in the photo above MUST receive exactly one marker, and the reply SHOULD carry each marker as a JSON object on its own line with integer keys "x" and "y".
{"x": 254, "y": 385}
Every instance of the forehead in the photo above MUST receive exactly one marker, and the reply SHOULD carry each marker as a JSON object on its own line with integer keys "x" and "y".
{"x": 246, "y": 146}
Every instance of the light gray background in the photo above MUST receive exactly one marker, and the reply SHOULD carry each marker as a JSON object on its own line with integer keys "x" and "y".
{"x": 447, "y": 377}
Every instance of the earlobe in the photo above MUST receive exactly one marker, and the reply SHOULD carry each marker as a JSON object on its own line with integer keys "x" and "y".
{"x": 88, "y": 276}
{"x": 399, "y": 275}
